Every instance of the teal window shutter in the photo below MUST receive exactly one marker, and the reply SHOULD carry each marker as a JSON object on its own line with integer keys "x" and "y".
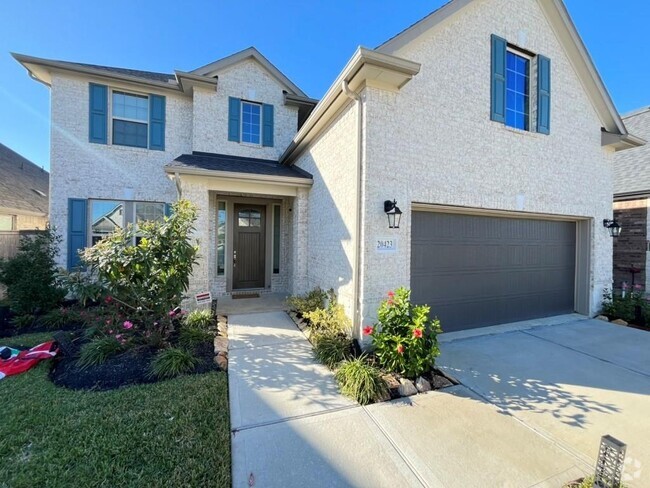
{"x": 234, "y": 117}
{"x": 543, "y": 95}
{"x": 98, "y": 116}
{"x": 168, "y": 210}
{"x": 77, "y": 229}
{"x": 267, "y": 125}
{"x": 498, "y": 80}
{"x": 157, "y": 122}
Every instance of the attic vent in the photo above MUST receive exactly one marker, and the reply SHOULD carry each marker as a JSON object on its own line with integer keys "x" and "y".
{"x": 39, "y": 192}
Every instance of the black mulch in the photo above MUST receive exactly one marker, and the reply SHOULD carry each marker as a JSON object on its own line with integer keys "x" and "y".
{"x": 130, "y": 368}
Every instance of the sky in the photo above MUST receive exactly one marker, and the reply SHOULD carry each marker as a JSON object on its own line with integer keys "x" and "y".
{"x": 309, "y": 40}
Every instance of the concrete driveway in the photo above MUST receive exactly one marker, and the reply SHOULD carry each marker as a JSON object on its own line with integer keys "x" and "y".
{"x": 571, "y": 380}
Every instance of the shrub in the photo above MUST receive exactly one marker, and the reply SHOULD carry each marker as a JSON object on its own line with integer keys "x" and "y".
{"x": 309, "y": 302}
{"x": 199, "y": 319}
{"x": 191, "y": 337}
{"x": 172, "y": 362}
{"x": 405, "y": 339}
{"x": 619, "y": 307}
{"x": 82, "y": 286}
{"x": 23, "y": 321}
{"x": 31, "y": 275}
{"x": 55, "y": 318}
{"x": 148, "y": 278}
{"x": 331, "y": 319}
{"x": 331, "y": 349}
{"x": 98, "y": 351}
{"x": 361, "y": 381}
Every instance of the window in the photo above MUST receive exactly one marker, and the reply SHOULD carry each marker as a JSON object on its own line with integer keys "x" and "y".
{"x": 251, "y": 123}
{"x": 130, "y": 119}
{"x": 276, "y": 239}
{"x": 221, "y": 238}
{"x": 108, "y": 216}
{"x": 517, "y": 91}
{"x": 249, "y": 218}
{"x": 7, "y": 222}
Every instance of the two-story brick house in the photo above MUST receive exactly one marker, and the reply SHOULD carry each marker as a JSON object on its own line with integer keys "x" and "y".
{"x": 486, "y": 122}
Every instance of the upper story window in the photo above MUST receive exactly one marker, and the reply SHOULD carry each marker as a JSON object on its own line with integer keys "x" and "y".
{"x": 251, "y": 122}
{"x": 520, "y": 88}
{"x": 130, "y": 119}
{"x": 517, "y": 90}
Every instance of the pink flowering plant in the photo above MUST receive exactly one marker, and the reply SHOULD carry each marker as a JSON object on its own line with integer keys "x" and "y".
{"x": 405, "y": 338}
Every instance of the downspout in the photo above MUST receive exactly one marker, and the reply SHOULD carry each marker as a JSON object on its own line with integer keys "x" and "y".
{"x": 179, "y": 190}
{"x": 356, "y": 319}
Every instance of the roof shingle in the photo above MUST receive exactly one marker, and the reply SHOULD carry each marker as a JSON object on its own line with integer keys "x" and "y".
{"x": 632, "y": 166}
{"x": 21, "y": 181}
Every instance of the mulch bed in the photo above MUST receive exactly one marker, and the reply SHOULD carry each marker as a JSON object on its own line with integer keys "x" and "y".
{"x": 130, "y": 368}
{"x": 436, "y": 378}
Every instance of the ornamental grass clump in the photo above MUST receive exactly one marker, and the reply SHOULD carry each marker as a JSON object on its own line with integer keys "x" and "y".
{"x": 199, "y": 319}
{"x": 173, "y": 362}
{"x": 309, "y": 302}
{"x": 404, "y": 339}
{"x": 331, "y": 349}
{"x": 98, "y": 351}
{"x": 359, "y": 380}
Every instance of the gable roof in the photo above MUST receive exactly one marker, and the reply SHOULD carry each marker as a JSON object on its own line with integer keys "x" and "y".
{"x": 566, "y": 32}
{"x": 24, "y": 186}
{"x": 632, "y": 168}
{"x": 246, "y": 54}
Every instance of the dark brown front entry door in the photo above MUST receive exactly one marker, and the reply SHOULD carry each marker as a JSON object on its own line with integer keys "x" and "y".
{"x": 248, "y": 247}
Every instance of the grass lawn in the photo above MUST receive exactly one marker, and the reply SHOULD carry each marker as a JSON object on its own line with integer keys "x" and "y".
{"x": 172, "y": 433}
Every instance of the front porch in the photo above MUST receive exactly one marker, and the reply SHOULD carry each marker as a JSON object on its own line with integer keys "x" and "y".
{"x": 251, "y": 216}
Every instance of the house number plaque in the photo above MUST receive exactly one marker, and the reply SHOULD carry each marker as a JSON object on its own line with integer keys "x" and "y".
{"x": 386, "y": 244}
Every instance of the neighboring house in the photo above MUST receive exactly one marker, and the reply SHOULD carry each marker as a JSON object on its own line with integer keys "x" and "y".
{"x": 631, "y": 203}
{"x": 486, "y": 121}
{"x": 23, "y": 193}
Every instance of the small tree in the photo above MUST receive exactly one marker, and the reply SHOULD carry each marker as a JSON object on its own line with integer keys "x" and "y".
{"x": 149, "y": 277}
{"x": 31, "y": 275}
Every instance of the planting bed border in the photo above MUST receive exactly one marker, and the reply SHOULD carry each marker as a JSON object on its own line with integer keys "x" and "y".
{"x": 398, "y": 386}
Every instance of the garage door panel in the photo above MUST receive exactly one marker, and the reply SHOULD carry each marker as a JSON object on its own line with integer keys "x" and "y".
{"x": 476, "y": 271}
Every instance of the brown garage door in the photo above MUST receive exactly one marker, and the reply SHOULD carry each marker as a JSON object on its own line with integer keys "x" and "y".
{"x": 476, "y": 271}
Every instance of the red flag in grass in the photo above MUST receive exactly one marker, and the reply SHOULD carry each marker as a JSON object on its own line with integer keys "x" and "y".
{"x": 25, "y": 360}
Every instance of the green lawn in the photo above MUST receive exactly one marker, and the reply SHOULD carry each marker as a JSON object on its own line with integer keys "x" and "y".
{"x": 173, "y": 433}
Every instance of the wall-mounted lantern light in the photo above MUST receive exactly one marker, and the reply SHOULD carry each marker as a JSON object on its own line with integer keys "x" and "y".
{"x": 613, "y": 226}
{"x": 394, "y": 214}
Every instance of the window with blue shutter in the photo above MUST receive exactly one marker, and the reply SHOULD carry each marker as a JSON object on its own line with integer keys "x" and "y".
{"x": 98, "y": 113}
{"x": 234, "y": 114}
{"x": 498, "y": 79}
{"x": 157, "y": 122}
{"x": 267, "y": 125}
{"x": 77, "y": 228}
{"x": 543, "y": 95}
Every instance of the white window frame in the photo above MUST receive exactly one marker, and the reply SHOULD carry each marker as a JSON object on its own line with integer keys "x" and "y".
{"x": 129, "y": 215}
{"x": 126, "y": 119}
{"x": 530, "y": 58}
{"x": 225, "y": 237}
{"x": 241, "y": 123}
{"x": 273, "y": 207}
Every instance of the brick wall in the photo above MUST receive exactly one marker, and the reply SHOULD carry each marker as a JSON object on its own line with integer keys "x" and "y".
{"x": 630, "y": 247}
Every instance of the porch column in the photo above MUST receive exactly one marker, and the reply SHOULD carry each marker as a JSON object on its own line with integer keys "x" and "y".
{"x": 299, "y": 239}
{"x": 200, "y": 196}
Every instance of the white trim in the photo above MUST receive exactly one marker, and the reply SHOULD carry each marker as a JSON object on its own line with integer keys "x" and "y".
{"x": 273, "y": 206}
{"x": 241, "y": 122}
{"x": 246, "y": 177}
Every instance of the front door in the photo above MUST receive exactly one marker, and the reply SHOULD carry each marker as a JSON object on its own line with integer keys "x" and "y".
{"x": 249, "y": 247}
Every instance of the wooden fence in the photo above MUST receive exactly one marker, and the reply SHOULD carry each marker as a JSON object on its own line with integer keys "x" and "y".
{"x": 9, "y": 243}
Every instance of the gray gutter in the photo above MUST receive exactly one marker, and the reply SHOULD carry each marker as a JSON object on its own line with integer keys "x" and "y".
{"x": 281, "y": 180}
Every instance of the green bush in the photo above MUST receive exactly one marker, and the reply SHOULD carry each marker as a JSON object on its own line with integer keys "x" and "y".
{"x": 55, "y": 318}
{"x": 173, "y": 362}
{"x": 31, "y": 275}
{"x": 331, "y": 319}
{"x": 309, "y": 302}
{"x": 199, "y": 319}
{"x": 149, "y": 278}
{"x": 82, "y": 286}
{"x": 361, "y": 381}
{"x": 23, "y": 321}
{"x": 98, "y": 351}
{"x": 405, "y": 339}
{"x": 331, "y": 349}
{"x": 191, "y": 337}
{"x": 619, "y": 307}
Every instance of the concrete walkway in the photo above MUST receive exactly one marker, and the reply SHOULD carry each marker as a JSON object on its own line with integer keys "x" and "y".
{"x": 291, "y": 427}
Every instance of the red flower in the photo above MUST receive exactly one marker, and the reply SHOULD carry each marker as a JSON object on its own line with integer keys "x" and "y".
{"x": 108, "y": 299}
{"x": 390, "y": 302}
{"x": 367, "y": 330}
{"x": 400, "y": 348}
{"x": 391, "y": 294}
{"x": 417, "y": 333}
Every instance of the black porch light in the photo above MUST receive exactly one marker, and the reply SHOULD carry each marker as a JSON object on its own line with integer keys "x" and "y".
{"x": 613, "y": 226}
{"x": 394, "y": 214}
